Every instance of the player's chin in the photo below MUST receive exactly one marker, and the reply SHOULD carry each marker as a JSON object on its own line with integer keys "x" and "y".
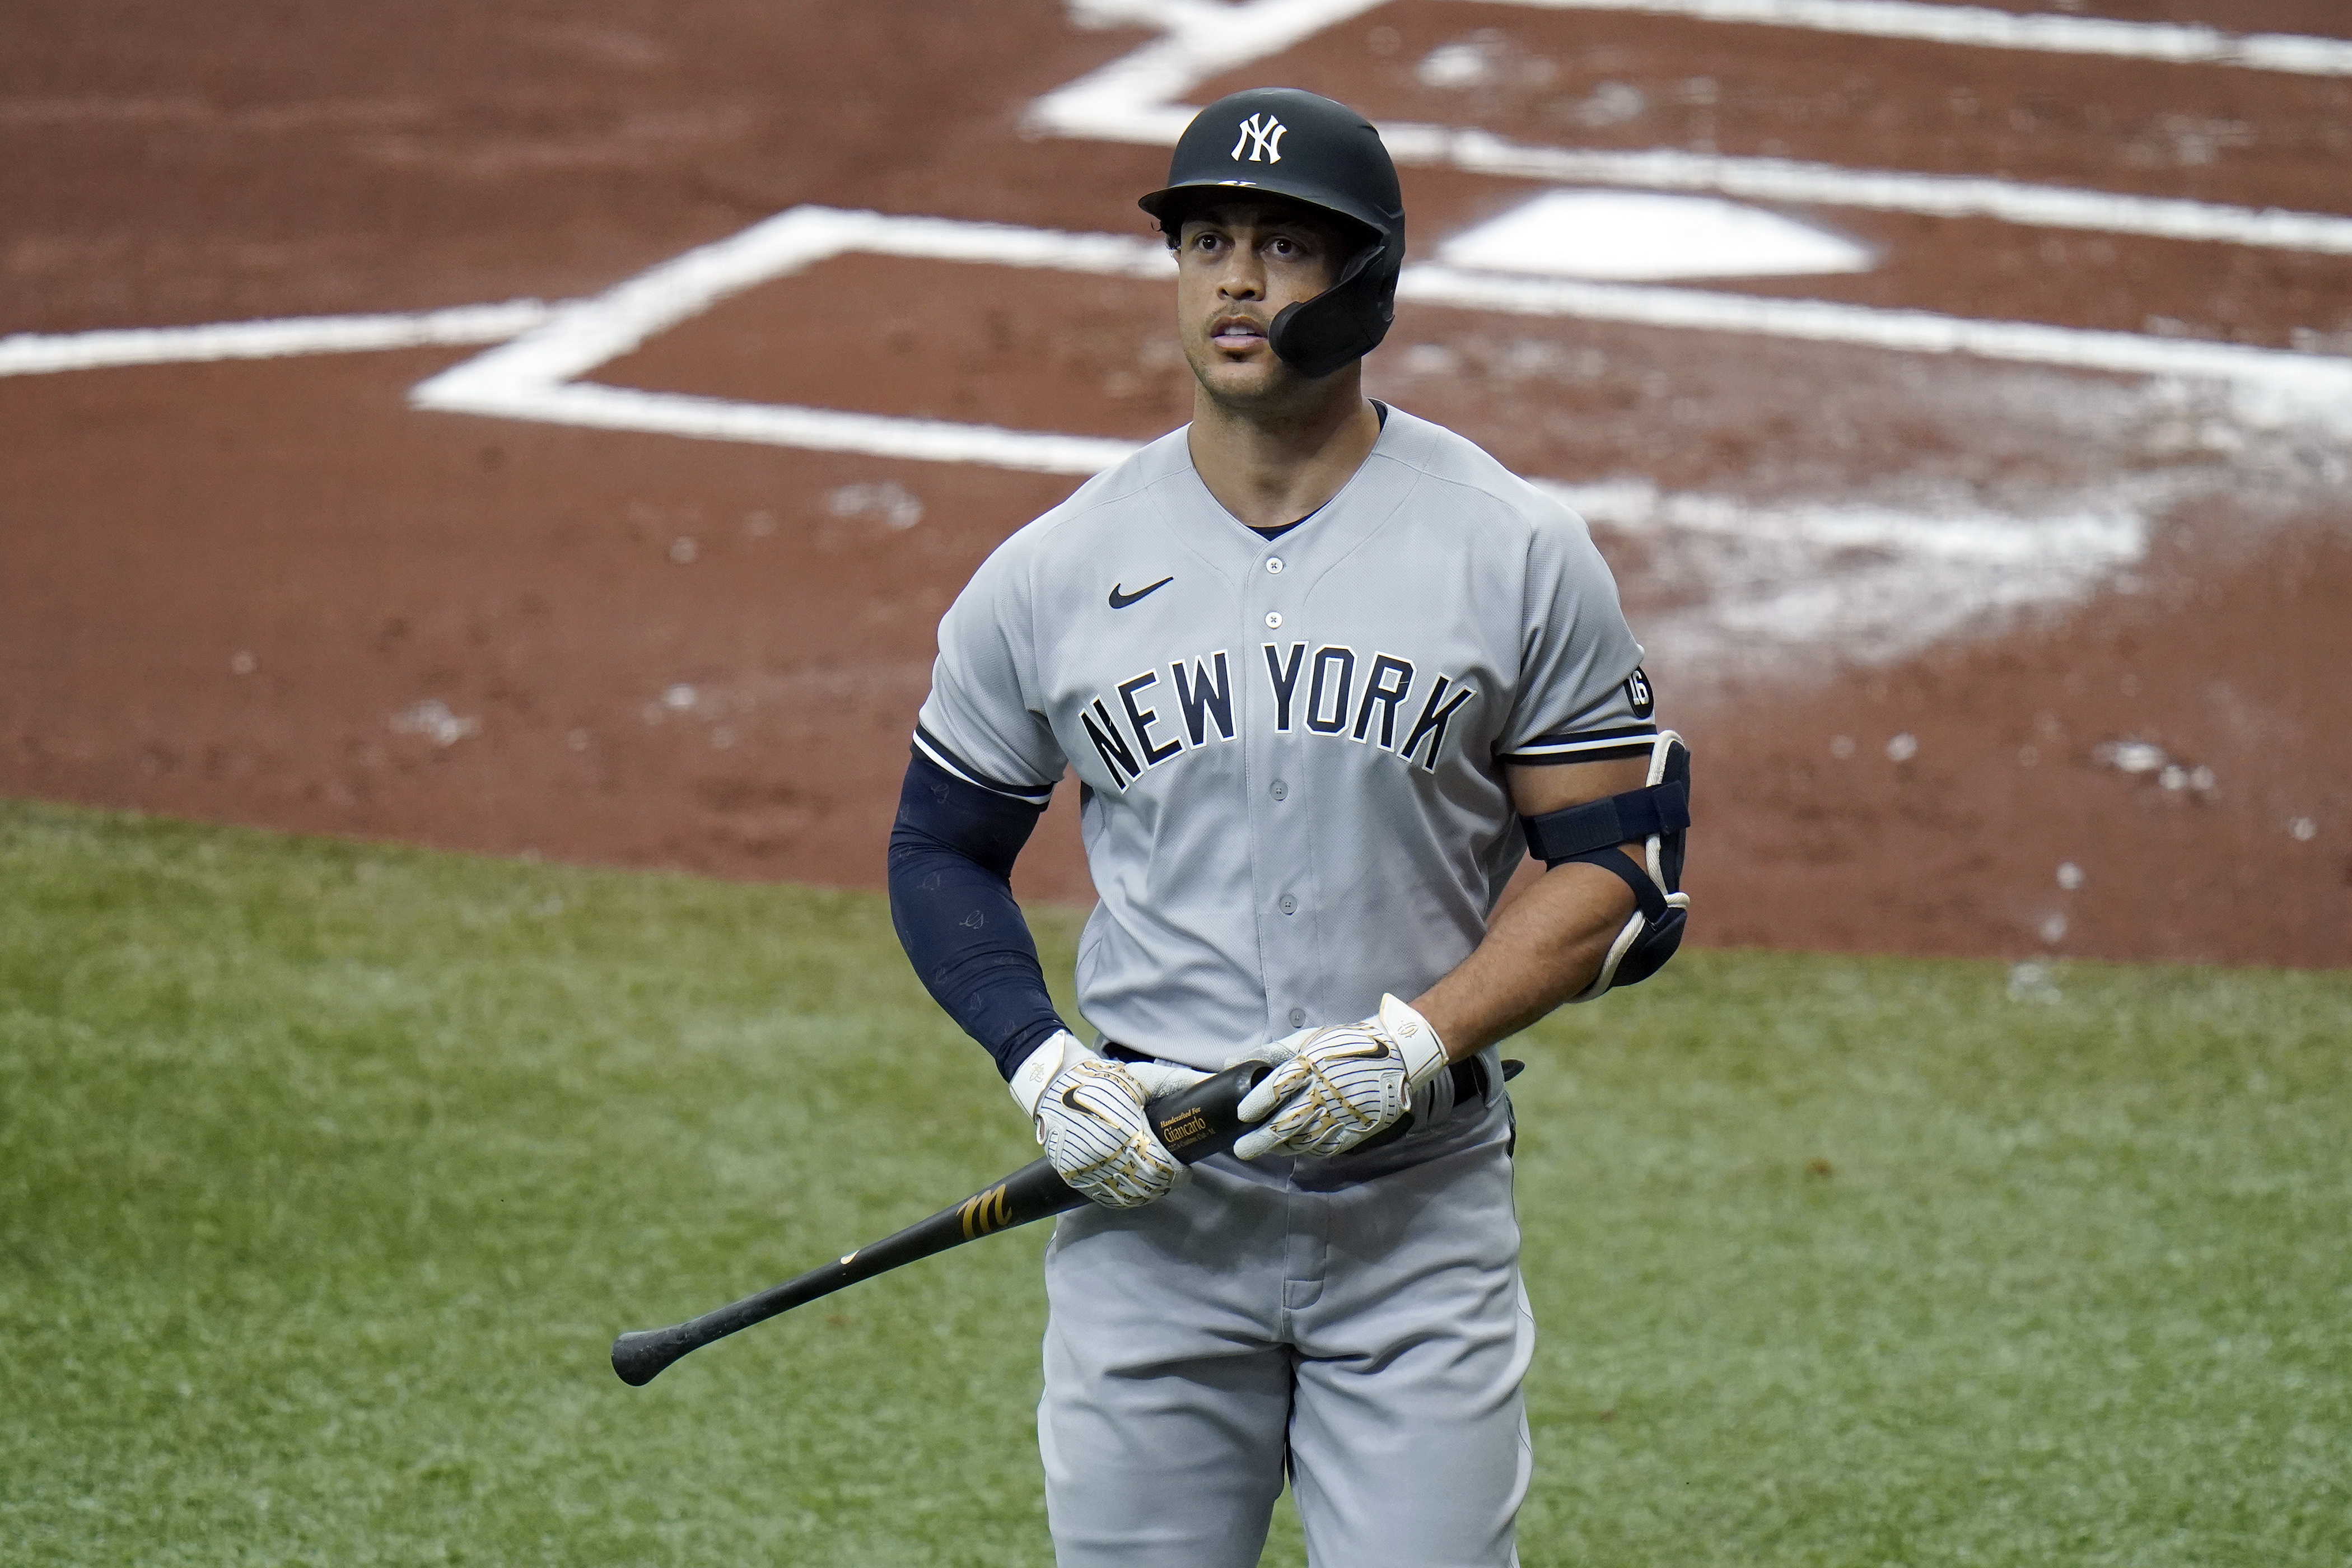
{"x": 1243, "y": 378}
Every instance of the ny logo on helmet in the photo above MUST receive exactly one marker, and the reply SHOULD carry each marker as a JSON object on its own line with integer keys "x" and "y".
{"x": 1262, "y": 135}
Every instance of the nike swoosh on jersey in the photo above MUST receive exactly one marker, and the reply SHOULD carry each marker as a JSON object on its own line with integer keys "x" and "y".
{"x": 1119, "y": 601}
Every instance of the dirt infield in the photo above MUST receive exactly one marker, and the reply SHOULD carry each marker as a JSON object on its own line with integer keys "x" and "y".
{"x": 271, "y": 591}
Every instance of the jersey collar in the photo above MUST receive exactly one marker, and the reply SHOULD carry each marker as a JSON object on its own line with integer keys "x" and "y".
{"x": 1369, "y": 498}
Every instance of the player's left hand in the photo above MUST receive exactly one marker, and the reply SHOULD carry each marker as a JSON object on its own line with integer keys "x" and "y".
{"x": 1090, "y": 1117}
{"x": 1339, "y": 1086}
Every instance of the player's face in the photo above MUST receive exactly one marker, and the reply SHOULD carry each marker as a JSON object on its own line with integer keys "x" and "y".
{"x": 1237, "y": 265}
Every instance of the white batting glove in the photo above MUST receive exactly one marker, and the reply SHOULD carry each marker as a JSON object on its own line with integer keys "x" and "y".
{"x": 1339, "y": 1086}
{"x": 1088, "y": 1113}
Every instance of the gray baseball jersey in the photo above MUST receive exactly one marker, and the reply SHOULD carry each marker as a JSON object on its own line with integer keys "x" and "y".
{"x": 1291, "y": 751}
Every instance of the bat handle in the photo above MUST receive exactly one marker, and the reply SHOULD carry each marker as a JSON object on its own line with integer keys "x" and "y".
{"x": 1204, "y": 1119}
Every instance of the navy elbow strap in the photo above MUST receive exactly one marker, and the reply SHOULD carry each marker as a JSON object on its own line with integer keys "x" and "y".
{"x": 1557, "y": 836}
{"x": 951, "y": 854}
{"x": 1656, "y": 816}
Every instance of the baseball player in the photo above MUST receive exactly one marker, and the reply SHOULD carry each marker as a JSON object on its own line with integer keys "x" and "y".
{"x": 1326, "y": 672}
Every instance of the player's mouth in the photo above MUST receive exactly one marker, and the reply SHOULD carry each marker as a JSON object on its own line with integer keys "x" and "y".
{"x": 1236, "y": 334}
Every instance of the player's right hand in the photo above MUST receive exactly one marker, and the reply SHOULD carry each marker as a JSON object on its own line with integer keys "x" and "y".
{"x": 1088, "y": 1113}
{"x": 1336, "y": 1087}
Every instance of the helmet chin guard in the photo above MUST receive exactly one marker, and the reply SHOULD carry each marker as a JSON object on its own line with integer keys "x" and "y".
{"x": 1345, "y": 322}
{"x": 1288, "y": 142}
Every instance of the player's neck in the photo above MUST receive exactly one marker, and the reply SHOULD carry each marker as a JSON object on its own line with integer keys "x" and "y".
{"x": 1270, "y": 464}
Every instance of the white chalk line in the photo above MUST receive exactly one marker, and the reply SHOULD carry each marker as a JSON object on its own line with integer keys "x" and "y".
{"x": 1825, "y": 185}
{"x": 2273, "y": 385}
{"x": 582, "y": 335}
{"x": 534, "y": 377}
{"x": 1135, "y": 99}
{"x": 1200, "y": 40}
{"x": 603, "y": 407}
{"x": 1980, "y": 27}
{"x": 1132, "y": 97}
{"x": 31, "y": 353}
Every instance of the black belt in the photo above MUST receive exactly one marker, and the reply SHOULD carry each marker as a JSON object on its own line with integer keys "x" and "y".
{"x": 1469, "y": 1080}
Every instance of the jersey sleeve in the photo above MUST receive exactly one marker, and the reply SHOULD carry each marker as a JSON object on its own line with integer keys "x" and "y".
{"x": 984, "y": 721}
{"x": 1582, "y": 696}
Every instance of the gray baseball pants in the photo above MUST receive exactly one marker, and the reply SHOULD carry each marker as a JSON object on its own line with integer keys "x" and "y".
{"x": 1360, "y": 1320}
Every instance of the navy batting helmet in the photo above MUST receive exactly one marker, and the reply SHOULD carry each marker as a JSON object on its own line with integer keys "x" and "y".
{"x": 1293, "y": 143}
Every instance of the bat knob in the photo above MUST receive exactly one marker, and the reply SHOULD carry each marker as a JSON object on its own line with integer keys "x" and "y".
{"x": 638, "y": 1357}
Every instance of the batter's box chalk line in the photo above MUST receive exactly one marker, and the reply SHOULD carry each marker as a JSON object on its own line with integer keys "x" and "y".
{"x": 34, "y": 353}
{"x": 1205, "y": 37}
{"x": 1138, "y": 98}
{"x": 535, "y": 375}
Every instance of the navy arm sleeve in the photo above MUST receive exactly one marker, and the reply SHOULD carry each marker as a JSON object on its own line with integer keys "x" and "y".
{"x": 951, "y": 854}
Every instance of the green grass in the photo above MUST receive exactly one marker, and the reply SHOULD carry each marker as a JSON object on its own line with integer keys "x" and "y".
{"x": 327, "y": 1171}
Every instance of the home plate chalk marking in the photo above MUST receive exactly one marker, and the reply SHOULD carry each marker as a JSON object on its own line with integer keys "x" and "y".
{"x": 1137, "y": 99}
{"x": 1640, "y": 234}
{"x": 535, "y": 376}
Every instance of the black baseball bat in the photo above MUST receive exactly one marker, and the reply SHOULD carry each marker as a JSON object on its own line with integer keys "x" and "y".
{"x": 1193, "y": 1123}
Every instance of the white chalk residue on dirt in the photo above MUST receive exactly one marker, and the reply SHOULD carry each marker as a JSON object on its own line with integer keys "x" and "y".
{"x": 896, "y": 506}
{"x": 434, "y": 719}
{"x": 1793, "y": 580}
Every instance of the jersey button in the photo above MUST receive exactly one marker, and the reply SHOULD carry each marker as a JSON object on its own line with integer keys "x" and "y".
{"x": 1280, "y": 790}
{"x": 1299, "y": 1018}
{"x": 1273, "y": 563}
{"x": 1290, "y": 905}
{"x": 1273, "y": 620}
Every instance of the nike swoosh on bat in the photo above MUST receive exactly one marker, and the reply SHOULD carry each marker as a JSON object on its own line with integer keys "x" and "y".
{"x": 1119, "y": 601}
